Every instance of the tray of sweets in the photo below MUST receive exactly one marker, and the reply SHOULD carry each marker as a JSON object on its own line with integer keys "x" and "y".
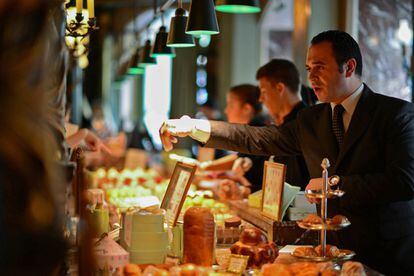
{"x": 320, "y": 226}
{"x": 343, "y": 255}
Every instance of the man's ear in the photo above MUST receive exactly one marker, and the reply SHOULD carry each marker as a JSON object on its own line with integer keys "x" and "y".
{"x": 280, "y": 87}
{"x": 350, "y": 67}
{"x": 247, "y": 108}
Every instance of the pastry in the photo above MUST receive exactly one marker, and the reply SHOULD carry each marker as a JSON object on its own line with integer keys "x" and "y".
{"x": 329, "y": 272}
{"x": 305, "y": 252}
{"x": 132, "y": 270}
{"x": 253, "y": 243}
{"x": 338, "y": 219}
{"x": 327, "y": 269}
{"x": 304, "y": 268}
{"x": 276, "y": 269}
{"x": 352, "y": 269}
{"x": 331, "y": 251}
{"x": 313, "y": 219}
{"x": 199, "y": 232}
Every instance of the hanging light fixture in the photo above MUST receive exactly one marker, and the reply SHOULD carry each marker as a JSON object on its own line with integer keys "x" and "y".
{"x": 160, "y": 45}
{"x": 145, "y": 58}
{"x": 238, "y": 6}
{"x": 177, "y": 37}
{"x": 202, "y": 19}
{"x": 134, "y": 68}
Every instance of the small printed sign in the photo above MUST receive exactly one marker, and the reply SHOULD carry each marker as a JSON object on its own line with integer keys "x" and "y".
{"x": 237, "y": 263}
{"x": 177, "y": 191}
{"x": 272, "y": 197}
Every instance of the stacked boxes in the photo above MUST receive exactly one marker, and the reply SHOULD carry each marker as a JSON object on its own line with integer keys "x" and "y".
{"x": 145, "y": 238}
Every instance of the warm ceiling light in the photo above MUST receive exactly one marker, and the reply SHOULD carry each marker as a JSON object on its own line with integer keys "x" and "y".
{"x": 202, "y": 19}
{"x": 160, "y": 45}
{"x": 177, "y": 38}
{"x": 238, "y": 6}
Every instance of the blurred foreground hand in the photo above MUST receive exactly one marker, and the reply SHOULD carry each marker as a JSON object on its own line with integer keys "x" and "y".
{"x": 242, "y": 165}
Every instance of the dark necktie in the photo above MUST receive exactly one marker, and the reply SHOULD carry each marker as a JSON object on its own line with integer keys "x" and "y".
{"x": 338, "y": 124}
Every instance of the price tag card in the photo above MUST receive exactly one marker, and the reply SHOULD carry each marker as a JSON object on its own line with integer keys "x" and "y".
{"x": 177, "y": 191}
{"x": 237, "y": 263}
{"x": 272, "y": 196}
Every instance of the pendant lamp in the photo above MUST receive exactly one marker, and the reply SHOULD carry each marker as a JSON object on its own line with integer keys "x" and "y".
{"x": 160, "y": 45}
{"x": 134, "y": 69}
{"x": 202, "y": 19}
{"x": 177, "y": 38}
{"x": 145, "y": 58}
{"x": 238, "y": 6}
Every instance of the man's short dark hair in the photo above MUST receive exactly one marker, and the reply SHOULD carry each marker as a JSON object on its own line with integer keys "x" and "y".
{"x": 280, "y": 70}
{"x": 249, "y": 94}
{"x": 344, "y": 47}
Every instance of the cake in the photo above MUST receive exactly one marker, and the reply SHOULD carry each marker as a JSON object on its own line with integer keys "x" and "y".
{"x": 232, "y": 222}
{"x": 199, "y": 236}
{"x": 253, "y": 243}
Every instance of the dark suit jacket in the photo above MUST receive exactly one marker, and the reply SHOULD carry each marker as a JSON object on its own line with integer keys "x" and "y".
{"x": 296, "y": 172}
{"x": 255, "y": 174}
{"x": 376, "y": 165}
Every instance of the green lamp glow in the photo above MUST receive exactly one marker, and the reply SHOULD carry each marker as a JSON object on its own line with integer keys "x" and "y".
{"x": 238, "y": 6}
{"x": 136, "y": 71}
{"x": 133, "y": 67}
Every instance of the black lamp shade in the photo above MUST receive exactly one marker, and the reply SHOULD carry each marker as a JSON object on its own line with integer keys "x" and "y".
{"x": 145, "y": 58}
{"x": 160, "y": 45}
{"x": 133, "y": 63}
{"x": 177, "y": 38}
{"x": 202, "y": 18}
{"x": 134, "y": 69}
{"x": 238, "y": 6}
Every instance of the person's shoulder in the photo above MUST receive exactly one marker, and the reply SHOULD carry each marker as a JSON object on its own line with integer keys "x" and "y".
{"x": 392, "y": 103}
{"x": 310, "y": 111}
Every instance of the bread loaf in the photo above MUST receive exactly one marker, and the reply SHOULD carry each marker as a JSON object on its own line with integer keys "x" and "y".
{"x": 198, "y": 236}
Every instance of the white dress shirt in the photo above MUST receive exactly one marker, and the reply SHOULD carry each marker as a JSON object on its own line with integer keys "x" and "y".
{"x": 349, "y": 104}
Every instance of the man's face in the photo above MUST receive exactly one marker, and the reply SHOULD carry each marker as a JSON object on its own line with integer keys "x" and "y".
{"x": 235, "y": 110}
{"x": 324, "y": 73}
{"x": 270, "y": 96}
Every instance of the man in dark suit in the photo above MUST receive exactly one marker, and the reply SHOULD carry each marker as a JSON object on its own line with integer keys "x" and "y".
{"x": 368, "y": 138}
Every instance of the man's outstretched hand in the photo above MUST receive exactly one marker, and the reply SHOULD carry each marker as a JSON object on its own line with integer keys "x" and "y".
{"x": 185, "y": 126}
{"x": 173, "y": 128}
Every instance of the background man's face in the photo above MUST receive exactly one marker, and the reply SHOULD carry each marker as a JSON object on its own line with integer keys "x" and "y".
{"x": 269, "y": 96}
{"x": 324, "y": 73}
{"x": 235, "y": 111}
